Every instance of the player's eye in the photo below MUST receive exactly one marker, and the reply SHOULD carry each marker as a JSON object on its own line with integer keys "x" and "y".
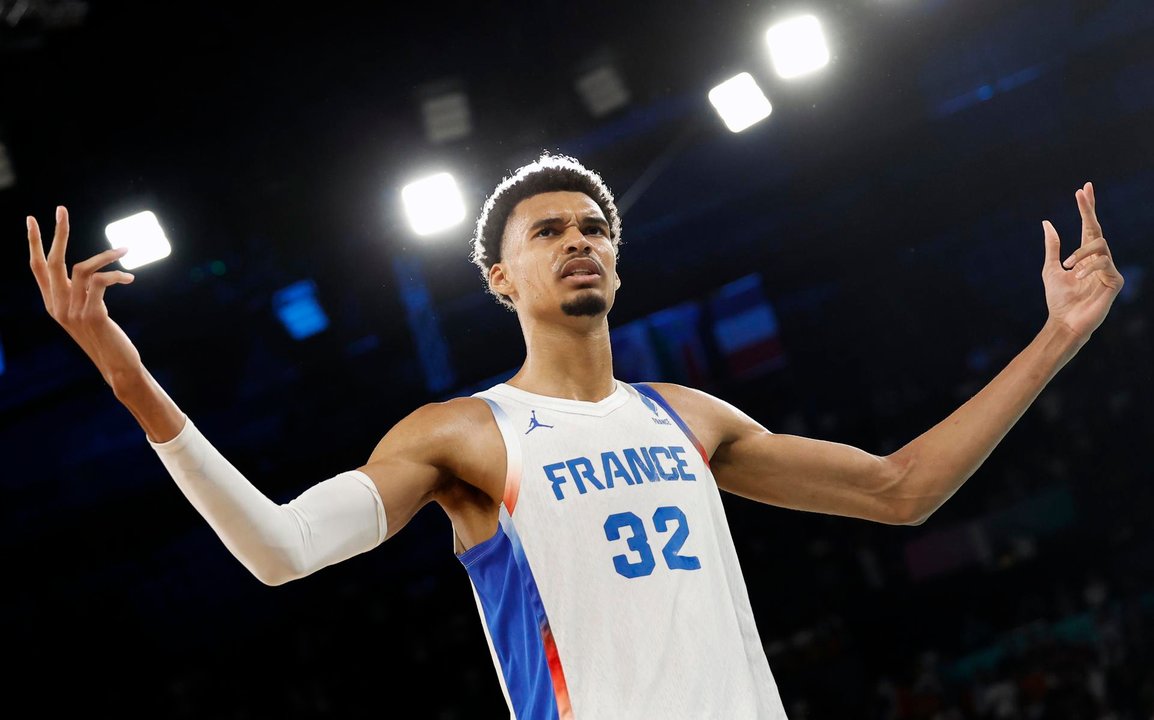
{"x": 546, "y": 232}
{"x": 594, "y": 230}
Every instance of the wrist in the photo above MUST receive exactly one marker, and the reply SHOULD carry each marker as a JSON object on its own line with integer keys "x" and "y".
{"x": 153, "y": 409}
{"x": 1062, "y": 338}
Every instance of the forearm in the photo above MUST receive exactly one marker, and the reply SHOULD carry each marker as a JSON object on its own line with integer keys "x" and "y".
{"x": 329, "y": 522}
{"x": 154, "y": 410}
{"x": 935, "y": 464}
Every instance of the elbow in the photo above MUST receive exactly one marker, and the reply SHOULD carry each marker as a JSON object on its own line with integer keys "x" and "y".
{"x": 919, "y": 513}
{"x": 905, "y": 507}
{"x": 275, "y": 570}
{"x": 897, "y": 516}
{"x": 273, "y": 579}
{"x": 917, "y": 520}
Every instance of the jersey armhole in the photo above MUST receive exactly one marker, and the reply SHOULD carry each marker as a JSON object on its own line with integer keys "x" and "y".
{"x": 512, "y": 454}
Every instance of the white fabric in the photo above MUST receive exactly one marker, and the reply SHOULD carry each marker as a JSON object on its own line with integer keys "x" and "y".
{"x": 329, "y": 522}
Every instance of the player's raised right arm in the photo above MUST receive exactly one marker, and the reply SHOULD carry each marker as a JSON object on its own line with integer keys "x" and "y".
{"x": 331, "y": 521}
{"x": 77, "y": 304}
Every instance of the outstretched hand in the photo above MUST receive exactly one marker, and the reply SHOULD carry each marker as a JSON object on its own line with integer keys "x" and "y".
{"x": 1080, "y": 291}
{"x": 77, "y": 303}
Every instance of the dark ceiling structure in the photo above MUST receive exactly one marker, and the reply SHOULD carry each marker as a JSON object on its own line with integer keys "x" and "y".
{"x": 888, "y": 212}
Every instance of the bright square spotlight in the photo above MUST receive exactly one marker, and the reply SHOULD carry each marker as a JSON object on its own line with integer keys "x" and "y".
{"x": 797, "y": 46}
{"x": 740, "y": 102}
{"x": 433, "y": 204}
{"x": 142, "y": 235}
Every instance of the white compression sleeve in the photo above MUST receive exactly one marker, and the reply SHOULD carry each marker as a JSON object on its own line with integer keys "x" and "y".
{"x": 329, "y": 522}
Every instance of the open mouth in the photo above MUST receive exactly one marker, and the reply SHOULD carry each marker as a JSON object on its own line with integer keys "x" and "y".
{"x": 581, "y": 271}
{"x": 582, "y": 277}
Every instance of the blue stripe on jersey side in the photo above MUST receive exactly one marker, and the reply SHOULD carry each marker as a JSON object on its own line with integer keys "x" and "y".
{"x": 515, "y": 616}
{"x": 656, "y": 397}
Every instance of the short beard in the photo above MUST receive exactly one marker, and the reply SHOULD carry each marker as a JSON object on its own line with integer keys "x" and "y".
{"x": 590, "y": 303}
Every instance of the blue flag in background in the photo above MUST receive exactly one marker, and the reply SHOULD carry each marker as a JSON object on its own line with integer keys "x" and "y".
{"x": 634, "y": 355}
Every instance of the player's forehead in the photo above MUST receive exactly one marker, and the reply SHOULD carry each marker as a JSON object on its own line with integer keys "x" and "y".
{"x": 561, "y": 204}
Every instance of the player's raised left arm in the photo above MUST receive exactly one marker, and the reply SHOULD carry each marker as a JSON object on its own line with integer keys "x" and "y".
{"x": 908, "y": 485}
{"x": 1079, "y": 294}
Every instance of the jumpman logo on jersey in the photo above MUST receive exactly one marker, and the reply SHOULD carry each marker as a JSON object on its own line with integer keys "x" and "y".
{"x": 534, "y": 423}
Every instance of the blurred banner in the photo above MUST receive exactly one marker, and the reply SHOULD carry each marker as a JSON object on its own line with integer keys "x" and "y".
{"x": 745, "y": 329}
{"x": 673, "y": 344}
{"x": 679, "y": 345}
{"x": 634, "y": 352}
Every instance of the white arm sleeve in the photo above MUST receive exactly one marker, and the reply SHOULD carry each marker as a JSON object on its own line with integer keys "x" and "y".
{"x": 329, "y": 522}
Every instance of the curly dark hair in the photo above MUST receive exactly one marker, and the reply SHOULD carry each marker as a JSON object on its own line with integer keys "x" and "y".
{"x": 548, "y": 173}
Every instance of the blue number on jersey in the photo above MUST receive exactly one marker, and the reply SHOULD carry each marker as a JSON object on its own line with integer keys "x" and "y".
{"x": 661, "y": 519}
{"x": 638, "y": 542}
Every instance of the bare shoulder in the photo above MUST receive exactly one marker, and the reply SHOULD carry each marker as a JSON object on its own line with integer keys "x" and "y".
{"x": 714, "y": 421}
{"x": 450, "y": 452}
{"x": 450, "y": 417}
{"x": 683, "y": 393}
{"x": 445, "y": 434}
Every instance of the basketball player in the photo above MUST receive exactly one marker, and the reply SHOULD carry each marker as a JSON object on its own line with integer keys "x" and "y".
{"x": 585, "y": 510}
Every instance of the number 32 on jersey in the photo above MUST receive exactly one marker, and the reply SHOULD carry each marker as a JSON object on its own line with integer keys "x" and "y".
{"x": 639, "y": 561}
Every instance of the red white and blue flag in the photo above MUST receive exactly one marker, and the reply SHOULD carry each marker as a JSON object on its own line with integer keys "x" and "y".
{"x": 745, "y": 329}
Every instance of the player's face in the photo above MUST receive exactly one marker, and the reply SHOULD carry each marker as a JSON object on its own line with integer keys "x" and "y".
{"x": 557, "y": 255}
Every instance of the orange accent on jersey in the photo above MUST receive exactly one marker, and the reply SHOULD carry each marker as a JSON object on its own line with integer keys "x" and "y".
{"x": 560, "y": 689}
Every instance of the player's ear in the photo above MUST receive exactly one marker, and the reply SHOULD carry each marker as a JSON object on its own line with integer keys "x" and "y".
{"x": 618, "y": 276}
{"x": 499, "y": 279}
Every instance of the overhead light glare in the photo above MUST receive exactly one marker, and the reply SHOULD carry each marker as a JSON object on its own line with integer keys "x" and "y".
{"x": 142, "y": 235}
{"x": 797, "y": 46}
{"x": 740, "y": 102}
{"x": 433, "y": 204}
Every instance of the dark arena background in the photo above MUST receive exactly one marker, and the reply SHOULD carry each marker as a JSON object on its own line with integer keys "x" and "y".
{"x": 851, "y": 267}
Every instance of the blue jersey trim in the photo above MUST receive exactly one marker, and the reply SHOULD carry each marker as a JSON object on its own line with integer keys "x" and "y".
{"x": 515, "y": 619}
{"x": 652, "y": 394}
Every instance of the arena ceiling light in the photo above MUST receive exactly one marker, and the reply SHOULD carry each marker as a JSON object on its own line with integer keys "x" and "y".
{"x": 446, "y": 116}
{"x": 142, "y": 235}
{"x": 740, "y": 102}
{"x": 797, "y": 46}
{"x": 603, "y": 90}
{"x": 433, "y": 204}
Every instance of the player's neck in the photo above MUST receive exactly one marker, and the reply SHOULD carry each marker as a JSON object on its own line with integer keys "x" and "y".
{"x": 567, "y": 361}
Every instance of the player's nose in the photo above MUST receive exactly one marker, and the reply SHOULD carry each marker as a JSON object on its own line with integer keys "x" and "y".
{"x": 576, "y": 242}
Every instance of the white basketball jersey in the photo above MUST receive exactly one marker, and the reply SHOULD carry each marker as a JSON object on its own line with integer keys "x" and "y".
{"x": 611, "y": 588}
